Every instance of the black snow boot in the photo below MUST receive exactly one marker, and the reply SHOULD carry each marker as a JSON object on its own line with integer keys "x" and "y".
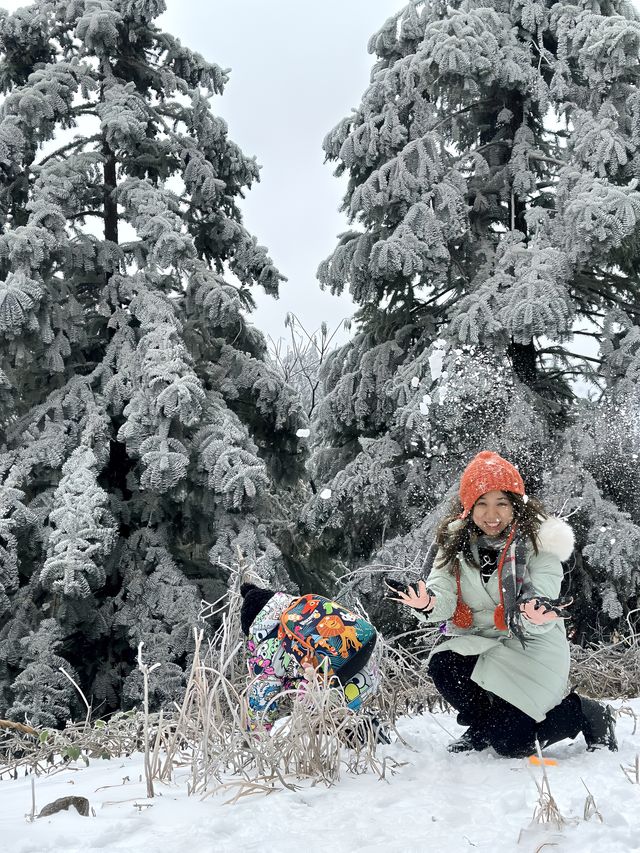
{"x": 598, "y": 725}
{"x": 473, "y": 740}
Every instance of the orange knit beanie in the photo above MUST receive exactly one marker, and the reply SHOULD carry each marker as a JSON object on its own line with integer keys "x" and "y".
{"x": 485, "y": 473}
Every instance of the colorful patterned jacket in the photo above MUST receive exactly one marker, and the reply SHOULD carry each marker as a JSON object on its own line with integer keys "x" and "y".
{"x": 272, "y": 670}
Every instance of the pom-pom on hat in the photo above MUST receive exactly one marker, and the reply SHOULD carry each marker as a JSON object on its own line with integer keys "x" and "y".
{"x": 487, "y": 472}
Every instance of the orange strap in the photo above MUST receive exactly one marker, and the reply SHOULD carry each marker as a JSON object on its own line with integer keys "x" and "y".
{"x": 463, "y": 616}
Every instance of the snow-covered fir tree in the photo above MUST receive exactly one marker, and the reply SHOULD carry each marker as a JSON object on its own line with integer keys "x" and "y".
{"x": 142, "y": 432}
{"x": 492, "y": 193}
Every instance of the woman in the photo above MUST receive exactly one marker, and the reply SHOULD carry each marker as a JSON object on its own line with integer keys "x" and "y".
{"x": 495, "y": 581}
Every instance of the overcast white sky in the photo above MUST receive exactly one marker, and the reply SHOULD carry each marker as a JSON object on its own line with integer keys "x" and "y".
{"x": 296, "y": 69}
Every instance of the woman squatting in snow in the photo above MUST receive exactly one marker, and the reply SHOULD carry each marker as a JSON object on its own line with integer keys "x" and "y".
{"x": 495, "y": 582}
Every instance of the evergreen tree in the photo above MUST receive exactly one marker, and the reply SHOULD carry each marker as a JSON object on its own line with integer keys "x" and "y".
{"x": 493, "y": 167}
{"x": 142, "y": 431}
{"x": 42, "y": 693}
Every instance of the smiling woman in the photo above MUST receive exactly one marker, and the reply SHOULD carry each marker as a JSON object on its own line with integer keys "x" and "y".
{"x": 493, "y": 513}
{"x": 495, "y": 584}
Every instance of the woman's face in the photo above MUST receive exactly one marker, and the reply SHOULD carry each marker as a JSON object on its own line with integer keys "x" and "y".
{"x": 492, "y": 513}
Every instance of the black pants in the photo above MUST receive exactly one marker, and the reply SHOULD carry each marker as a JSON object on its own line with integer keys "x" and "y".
{"x": 507, "y": 729}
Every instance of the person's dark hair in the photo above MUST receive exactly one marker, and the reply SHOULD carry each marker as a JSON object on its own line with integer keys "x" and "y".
{"x": 528, "y": 515}
{"x": 254, "y": 599}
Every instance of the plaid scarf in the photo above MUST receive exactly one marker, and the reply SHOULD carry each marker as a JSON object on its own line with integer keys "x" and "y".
{"x": 514, "y": 582}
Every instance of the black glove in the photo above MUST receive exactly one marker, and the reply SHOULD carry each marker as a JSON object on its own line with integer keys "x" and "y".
{"x": 533, "y": 609}
{"x": 413, "y": 596}
{"x": 394, "y": 586}
{"x": 549, "y": 605}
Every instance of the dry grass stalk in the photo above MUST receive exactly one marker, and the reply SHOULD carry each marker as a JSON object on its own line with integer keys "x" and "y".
{"x": 546, "y": 810}
{"x": 46, "y": 751}
{"x": 590, "y": 807}
{"x": 633, "y": 773}
{"x": 608, "y": 670}
{"x": 247, "y": 789}
{"x": 32, "y": 814}
{"x": 627, "y": 710}
{"x": 83, "y": 697}
{"x": 406, "y": 687}
{"x": 146, "y": 671}
{"x": 18, "y": 727}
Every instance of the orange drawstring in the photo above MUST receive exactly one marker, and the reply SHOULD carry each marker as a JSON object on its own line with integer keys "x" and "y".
{"x": 463, "y": 616}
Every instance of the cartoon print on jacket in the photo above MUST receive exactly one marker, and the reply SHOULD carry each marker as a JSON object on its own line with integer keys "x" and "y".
{"x": 275, "y": 670}
{"x": 333, "y": 626}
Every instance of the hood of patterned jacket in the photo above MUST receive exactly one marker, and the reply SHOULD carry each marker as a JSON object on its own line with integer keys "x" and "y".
{"x": 269, "y": 617}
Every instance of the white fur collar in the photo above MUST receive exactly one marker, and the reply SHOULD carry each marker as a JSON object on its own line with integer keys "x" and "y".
{"x": 556, "y": 537}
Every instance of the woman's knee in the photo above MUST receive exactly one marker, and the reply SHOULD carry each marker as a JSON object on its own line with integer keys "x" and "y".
{"x": 451, "y": 663}
{"x": 435, "y": 664}
{"x": 441, "y": 663}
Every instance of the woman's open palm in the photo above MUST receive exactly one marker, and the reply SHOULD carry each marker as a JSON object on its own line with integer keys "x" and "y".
{"x": 541, "y": 610}
{"x": 415, "y": 595}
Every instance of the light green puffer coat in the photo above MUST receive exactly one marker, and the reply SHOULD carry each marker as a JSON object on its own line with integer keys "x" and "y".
{"x": 533, "y": 678}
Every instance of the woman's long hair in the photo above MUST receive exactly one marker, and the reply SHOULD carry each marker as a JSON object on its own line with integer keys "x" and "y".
{"x": 528, "y": 515}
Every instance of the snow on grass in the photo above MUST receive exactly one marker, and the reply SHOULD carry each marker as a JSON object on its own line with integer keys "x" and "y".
{"x": 433, "y": 802}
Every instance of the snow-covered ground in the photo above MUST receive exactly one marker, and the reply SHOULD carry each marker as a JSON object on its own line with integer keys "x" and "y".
{"x": 433, "y": 802}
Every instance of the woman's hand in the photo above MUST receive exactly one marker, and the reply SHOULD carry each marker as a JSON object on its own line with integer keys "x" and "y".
{"x": 416, "y": 595}
{"x": 541, "y": 610}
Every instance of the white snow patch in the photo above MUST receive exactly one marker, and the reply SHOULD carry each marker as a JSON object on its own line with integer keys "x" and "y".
{"x": 429, "y": 800}
{"x": 435, "y": 363}
{"x": 424, "y": 405}
{"x": 415, "y": 382}
{"x": 325, "y": 494}
{"x": 303, "y": 433}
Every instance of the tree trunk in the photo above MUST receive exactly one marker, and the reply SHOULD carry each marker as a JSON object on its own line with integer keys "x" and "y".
{"x": 109, "y": 194}
{"x": 523, "y": 358}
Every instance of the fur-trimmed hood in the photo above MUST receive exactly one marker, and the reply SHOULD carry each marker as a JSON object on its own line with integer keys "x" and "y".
{"x": 556, "y": 537}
